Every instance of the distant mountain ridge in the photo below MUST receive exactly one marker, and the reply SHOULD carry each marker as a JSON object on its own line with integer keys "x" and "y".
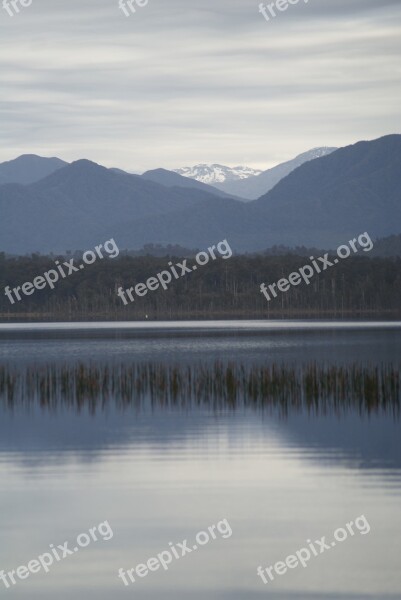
{"x": 354, "y": 189}
{"x": 28, "y": 168}
{"x": 173, "y": 179}
{"x": 212, "y": 174}
{"x": 81, "y": 203}
{"x": 253, "y": 187}
{"x": 323, "y": 203}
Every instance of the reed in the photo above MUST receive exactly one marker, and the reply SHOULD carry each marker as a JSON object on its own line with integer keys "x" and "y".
{"x": 312, "y": 387}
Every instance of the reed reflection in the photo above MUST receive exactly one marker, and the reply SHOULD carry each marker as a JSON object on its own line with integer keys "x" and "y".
{"x": 220, "y": 386}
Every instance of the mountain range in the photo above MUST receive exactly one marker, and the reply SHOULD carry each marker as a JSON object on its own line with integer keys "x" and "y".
{"x": 322, "y": 203}
{"x": 172, "y": 179}
{"x": 253, "y": 187}
{"x": 216, "y": 173}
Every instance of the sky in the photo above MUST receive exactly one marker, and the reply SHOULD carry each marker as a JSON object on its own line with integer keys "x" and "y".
{"x": 181, "y": 82}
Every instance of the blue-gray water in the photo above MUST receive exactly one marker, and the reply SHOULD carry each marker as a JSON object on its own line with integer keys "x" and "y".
{"x": 161, "y": 474}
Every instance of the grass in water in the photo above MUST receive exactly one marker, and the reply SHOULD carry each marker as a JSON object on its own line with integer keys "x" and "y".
{"x": 312, "y": 387}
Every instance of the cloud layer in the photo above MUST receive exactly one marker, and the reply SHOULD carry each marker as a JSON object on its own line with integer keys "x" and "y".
{"x": 182, "y": 81}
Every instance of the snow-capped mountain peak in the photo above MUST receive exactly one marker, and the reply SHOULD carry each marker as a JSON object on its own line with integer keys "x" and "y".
{"x": 217, "y": 173}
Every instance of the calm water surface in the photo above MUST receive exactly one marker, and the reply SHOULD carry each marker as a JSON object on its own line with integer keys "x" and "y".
{"x": 160, "y": 474}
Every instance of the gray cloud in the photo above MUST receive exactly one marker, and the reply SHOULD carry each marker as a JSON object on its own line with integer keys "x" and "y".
{"x": 183, "y": 81}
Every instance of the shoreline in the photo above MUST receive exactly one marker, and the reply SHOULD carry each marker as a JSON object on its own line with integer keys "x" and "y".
{"x": 366, "y": 315}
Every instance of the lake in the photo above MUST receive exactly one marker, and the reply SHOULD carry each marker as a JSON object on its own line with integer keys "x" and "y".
{"x": 284, "y": 432}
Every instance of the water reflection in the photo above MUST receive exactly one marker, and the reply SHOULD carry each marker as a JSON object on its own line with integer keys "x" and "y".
{"x": 163, "y": 436}
{"x": 313, "y": 388}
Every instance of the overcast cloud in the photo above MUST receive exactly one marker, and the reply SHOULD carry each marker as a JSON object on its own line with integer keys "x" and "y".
{"x": 188, "y": 81}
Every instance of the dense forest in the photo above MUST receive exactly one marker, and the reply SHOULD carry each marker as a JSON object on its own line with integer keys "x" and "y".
{"x": 358, "y": 286}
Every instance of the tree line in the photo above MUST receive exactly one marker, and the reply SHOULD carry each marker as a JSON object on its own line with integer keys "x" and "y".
{"x": 357, "y": 286}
